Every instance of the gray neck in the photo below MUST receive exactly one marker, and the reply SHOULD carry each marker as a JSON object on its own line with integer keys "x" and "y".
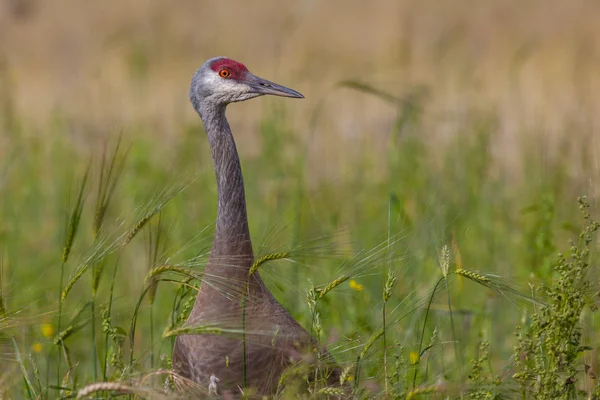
{"x": 231, "y": 252}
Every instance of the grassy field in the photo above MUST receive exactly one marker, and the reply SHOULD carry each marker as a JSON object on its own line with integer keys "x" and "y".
{"x": 422, "y": 192}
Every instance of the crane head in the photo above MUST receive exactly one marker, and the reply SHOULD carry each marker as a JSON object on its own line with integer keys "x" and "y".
{"x": 221, "y": 81}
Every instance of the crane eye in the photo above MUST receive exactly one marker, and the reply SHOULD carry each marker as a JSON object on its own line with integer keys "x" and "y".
{"x": 224, "y": 73}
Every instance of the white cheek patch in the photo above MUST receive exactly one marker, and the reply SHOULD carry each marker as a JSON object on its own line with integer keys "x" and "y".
{"x": 227, "y": 90}
{"x": 212, "y": 80}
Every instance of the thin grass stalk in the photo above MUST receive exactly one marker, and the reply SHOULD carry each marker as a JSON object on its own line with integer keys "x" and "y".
{"x": 97, "y": 269}
{"x": 151, "y": 317}
{"x": 107, "y": 181}
{"x": 154, "y": 242}
{"x": 99, "y": 214}
{"x": 109, "y": 177}
{"x": 67, "y": 357}
{"x": 199, "y": 330}
{"x": 151, "y": 275}
{"x": 454, "y": 339}
{"x": 75, "y": 325}
{"x": 175, "y": 308}
{"x": 62, "y": 348}
{"x": 383, "y": 311}
{"x": 385, "y": 366}
{"x": 93, "y": 324}
{"x": 109, "y": 311}
{"x": 133, "y": 323}
{"x": 428, "y": 349}
{"x": 281, "y": 382}
{"x": 387, "y": 293}
{"x": 362, "y": 355}
{"x": 296, "y": 234}
{"x": 24, "y": 373}
{"x": 414, "y": 385}
{"x": 168, "y": 333}
{"x": 48, "y": 361}
{"x": 160, "y": 201}
{"x": 36, "y": 374}
{"x": 94, "y": 344}
{"x": 71, "y": 225}
{"x": 318, "y": 329}
{"x": 313, "y": 299}
{"x": 99, "y": 251}
{"x": 444, "y": 264}
{"x": 182, "y": 291}
{"x": 59, "y": 327}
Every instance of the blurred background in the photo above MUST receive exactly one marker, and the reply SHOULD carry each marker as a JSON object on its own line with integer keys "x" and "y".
{"x": 464, "y": 123}
{"x": 105, "y": 66}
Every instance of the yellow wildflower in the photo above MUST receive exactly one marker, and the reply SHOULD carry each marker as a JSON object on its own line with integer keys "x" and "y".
{"x": 36, "y": 347}
{"x": 47, "y": 330}
{"x": 356, "y": 286}
{"x": 413, "y": 357}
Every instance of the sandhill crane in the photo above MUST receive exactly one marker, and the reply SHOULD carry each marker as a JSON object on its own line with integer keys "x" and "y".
{"x": 270, "y": 336}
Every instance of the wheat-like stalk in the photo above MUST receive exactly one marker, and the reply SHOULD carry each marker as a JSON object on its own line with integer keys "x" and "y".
{"x": 97, "y": 254}
{"x": 368, "y": 345}
{"x": 168, "y": 268}
{"x": 62, "y": 335}
{"x": 445, "y": 260}
{"x": 75, "y": 218}
{"x": 115, "y": 387}
{"x": 71, "y": 283}
{"x": 198, "y": 330}
{"x": 390, "y": 282}
{"x": 474, "y": 276}
{"x": 332, "y": 285}
{"x": 155, "y": 206}
{"x": 345, "y": 375}
{"x": 330, "y": 391}
{"x": 138, "y": 227}
{"x": 269, "y": 257}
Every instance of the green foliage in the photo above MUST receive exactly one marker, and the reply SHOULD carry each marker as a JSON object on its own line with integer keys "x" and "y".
{"x": 482, "y": 385}
{"x": 397, "y": 267}
{"x": 548, "y": 350}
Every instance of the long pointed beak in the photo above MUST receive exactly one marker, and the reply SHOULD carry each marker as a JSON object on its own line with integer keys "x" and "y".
{"x": 263, "y": 86}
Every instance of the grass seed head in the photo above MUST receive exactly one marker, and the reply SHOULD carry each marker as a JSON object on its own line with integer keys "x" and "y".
{"x": 332, "y": 285}
{"x": 474, "y": 276}
{"x": 390, "y": 282}
{"x": 269, "y": 257}
{"x": 445, "y": 255}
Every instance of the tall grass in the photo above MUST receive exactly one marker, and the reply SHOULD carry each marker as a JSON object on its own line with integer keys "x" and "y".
{"x": 373, "y": 271}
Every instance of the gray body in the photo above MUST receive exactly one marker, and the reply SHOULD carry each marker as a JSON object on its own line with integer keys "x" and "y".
{"x": 273, "y": 338}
